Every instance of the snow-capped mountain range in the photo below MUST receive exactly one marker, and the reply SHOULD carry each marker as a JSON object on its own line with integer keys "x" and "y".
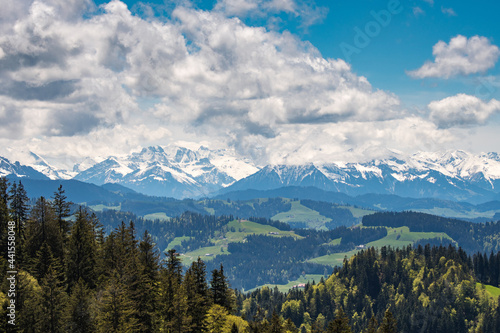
{"x": 172, "y": 171}
{"x": 181, "y": 172}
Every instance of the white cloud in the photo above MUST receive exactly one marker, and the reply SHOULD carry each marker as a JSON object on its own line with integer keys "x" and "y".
{"x": 107, "y": 84}
{"x": 448, "y": 11}
{"x": 462, "y": 56}
{"x": 462, "y": 111}
{"x": 353, "y": 141}
{"x": 417, "y": 11}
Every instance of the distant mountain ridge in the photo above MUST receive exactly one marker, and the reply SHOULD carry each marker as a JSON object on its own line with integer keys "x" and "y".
{"x": 181, "y": 172}
{"x": 457, "y": 176}
{"x": 172, "y": 172}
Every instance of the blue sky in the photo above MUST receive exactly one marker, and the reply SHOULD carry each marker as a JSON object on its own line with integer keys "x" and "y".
{"x": 291, "y": 81}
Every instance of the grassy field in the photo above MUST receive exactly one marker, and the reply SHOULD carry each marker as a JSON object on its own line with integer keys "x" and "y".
{"x": 206, "y": 253}
{"x": 242, "y": 229}
{"x": 358, "y": 212}
{"x": 399, "y": 237}
{"x": 493, "y": 292}
{"x": 177, "y": 241}
{"x": 334, "y": 259}
{"x": 100, "y": 208}
{"x": 286, "y": 287}
{"x": 157, "y": 216}
{"x": 300, "y": 213}
{"x": 336, "y": 241}
{"x": 396, "y": 237}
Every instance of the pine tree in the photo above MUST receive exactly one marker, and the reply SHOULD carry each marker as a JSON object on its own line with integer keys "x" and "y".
{"x": 81, "y": 251}
{"x": 28, "y": 303}
{"x": 42, "y": 227}
{"x": 372, "y": 325}
{"x": 289, "y": 326}
{"x": 276, "y": 325}
{"x": 62, "y": 210}
{"x": 389, "y": 324}
{"x": 115, "y": 311}
{"x": 147, "y": 288}
{"x": 53, "y": 300}
{"x": 79, "y": 316}
{"x": 18, "y": 204}
{"x": 198, "y": 294}
{"x": 173, "y": 296}
{"x": 340, "y": 324}
{"x": 19, "y": 213}
{"x": 42, "y": 262}
{"x": 221, "y": 293}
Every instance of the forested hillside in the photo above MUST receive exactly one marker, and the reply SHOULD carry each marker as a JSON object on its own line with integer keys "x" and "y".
{"x": 401, "y": 290}
{"x": 76, "y": 275}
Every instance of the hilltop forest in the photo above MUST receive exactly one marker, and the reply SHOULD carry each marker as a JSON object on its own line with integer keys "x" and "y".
{"x": 79, "y": 275}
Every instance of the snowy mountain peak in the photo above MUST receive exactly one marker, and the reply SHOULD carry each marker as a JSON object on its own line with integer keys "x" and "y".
{"x": 170, "y": 171}
{"x": 184, "y": 155}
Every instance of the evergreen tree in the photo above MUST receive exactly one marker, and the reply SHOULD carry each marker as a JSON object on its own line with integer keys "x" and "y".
{"x": 276, "y": 324}
{"x": 290, "y": 327}
{"x": 19, "y": 213}
{"x": 42, "y": 227}
{"x": 198, "y": 294}
{"x": 81, "y": 251}
{"x": 53, "y": 300}
{"x": 28, "y": 304}
{"x": 4, "y": 217}
{"x": 115, "y": 311}
{"x": 389, "y": 324}
{"x": 221, "y": 294}
{"x": 62, "y": 210}
{"x": 147, "y": 288}
{"x": 79, "y": 315}
{"x": 173, "y": 296}
{"x": 372, "y": 325}
{"x": 42, "y": 262}
{"x": 340, "y": 324}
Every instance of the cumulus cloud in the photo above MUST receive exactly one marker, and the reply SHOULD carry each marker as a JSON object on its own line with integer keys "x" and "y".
{"x": 107, "y": 82}
{"x": 462, "y": 111}
{"x": 461, "y": 56}
{"x": 351, "y": 141}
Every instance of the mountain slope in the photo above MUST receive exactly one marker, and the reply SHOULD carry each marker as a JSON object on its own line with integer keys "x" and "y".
{"x": 17, "y": 170}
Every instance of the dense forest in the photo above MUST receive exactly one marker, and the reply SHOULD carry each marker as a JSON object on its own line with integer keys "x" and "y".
{"x": 404, "y": 290}
{"x": 75, "y": 275}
